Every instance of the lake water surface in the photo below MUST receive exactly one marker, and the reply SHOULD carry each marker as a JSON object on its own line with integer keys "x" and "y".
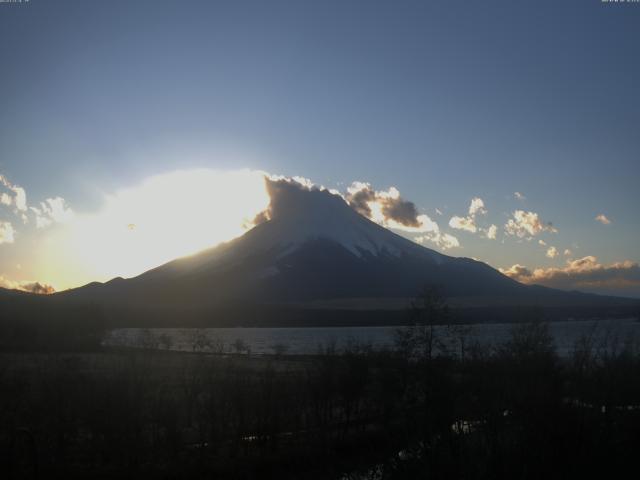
{"x": 310, "y": 340}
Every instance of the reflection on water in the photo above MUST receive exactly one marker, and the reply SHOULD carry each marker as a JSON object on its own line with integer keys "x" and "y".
{"x": 311, "y": 340}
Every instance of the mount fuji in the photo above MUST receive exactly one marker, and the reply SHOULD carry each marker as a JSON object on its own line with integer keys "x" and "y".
{"x": 315, "y": 252}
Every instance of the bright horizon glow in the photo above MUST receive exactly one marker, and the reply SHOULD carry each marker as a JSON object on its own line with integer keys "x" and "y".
{"x": 165, "y": 217}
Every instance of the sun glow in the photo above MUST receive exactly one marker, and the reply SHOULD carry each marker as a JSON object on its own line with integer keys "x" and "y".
{"x": 165, "y": 217}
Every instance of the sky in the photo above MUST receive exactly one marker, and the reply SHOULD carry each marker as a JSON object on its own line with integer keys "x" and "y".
{"x": 128, "y": 129}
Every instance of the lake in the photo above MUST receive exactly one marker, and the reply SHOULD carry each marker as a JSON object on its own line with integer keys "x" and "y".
{"x": 310, "y": 340}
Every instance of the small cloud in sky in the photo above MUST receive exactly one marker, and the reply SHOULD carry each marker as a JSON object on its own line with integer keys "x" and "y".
{"x": 7, "y": 233}
{"x": 477, "y": 207}
{"x": 463, "y": 223}
{"x": 602, "y": 218}
{"x": 16, "y": 196}
{"x": 519, "y": 196}
{"x": 527, "y": 225}
{"x": 468, "y": 223}
{"x": 542, "y": 243}
{"x": 492, "y": 232}
{"x": 552, "y": 252}
{"x": 567, "y": 252}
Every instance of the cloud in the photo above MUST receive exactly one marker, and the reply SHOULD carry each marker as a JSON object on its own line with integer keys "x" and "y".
{"x": 492, "y": 232}
{"x": 388, "y": 208}
{"x": 517, "y": 272}
{"x": 519, "y": 196}
{"x": 468, "y": 223}
{"x": 38, "y": 288}
{"x": 359, "y": 195}
{"x": 399, "y": 210}
{"x": 288, "y": 196}
{"x": 27, "y": 286}
{"x": 444, "y": 240}
{"x": 463, "y": 223}
{"x": 542, "y": 243}
{"x": 21, "y": 199}
{"x": 527, "y": 225}
{"x": 583, "y": 274}
{"x": 52, "y": 210}
{"x": 477, "y": 207}
{"x": 552, "y": 252}
{"x": 602, "y": 218}
{"x": 17, "y": 197}
{"x": 260, "y": 218}
{"x": 567, "y": 252}
{"x": 6, "y": 232}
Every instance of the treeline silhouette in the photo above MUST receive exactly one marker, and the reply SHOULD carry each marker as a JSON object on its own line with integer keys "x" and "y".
{"x": 37, "y": 323}
{"x": 436, "y": 406}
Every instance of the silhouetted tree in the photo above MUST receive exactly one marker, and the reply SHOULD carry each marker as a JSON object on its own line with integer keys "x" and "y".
{"x": 428, "y": 310}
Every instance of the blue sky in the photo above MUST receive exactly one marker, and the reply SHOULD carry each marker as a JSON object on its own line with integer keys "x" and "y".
{"x": 446, "y": 101}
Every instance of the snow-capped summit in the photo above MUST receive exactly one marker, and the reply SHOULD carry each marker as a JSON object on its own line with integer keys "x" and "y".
{"x": 298, "y": 214}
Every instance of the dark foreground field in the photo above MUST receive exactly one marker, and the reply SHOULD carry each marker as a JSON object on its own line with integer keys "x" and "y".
{"x": 516, "y": 411}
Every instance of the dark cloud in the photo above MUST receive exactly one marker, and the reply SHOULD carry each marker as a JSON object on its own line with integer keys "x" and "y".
{"x": 261, "y": 217}
{"x": 360, "y": 199}
{"x": 402, "y": 211}
{"x": 392, "y": 206}
{"x": 296, "y": 197}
